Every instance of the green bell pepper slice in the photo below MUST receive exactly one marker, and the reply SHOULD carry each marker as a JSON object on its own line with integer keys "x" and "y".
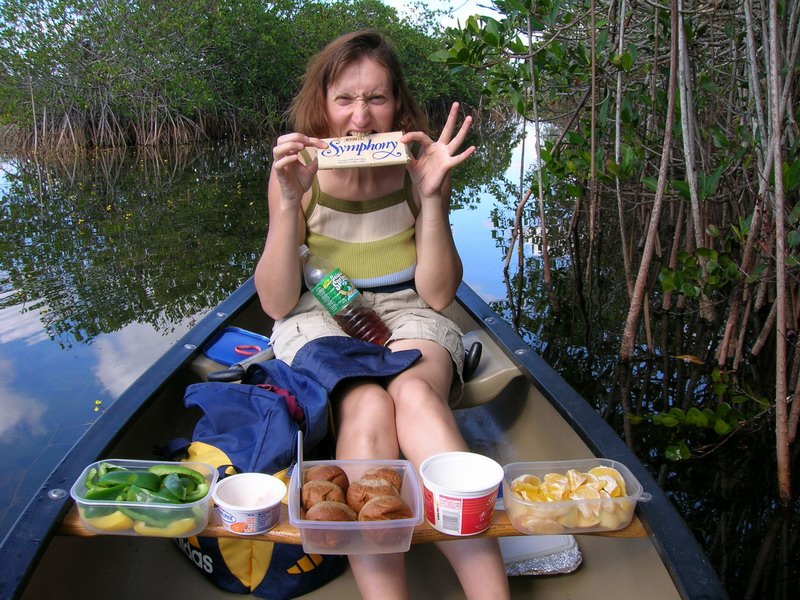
{"x": 143, "y": 479}
{"x": 157, "y": 517}
{"x": 138, "y": 494}
{"x": 177, "y": 485}
{"x": 199, "y": 493}
{"x": 106, "y": 493}
{"x": 164, "y": 470}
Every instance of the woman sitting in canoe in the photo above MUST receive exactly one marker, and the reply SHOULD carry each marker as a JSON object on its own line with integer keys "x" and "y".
{"x": 388, "y": 229}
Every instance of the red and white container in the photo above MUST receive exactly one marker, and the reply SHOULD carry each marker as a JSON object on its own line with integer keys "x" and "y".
{"x": 460, "y": 491}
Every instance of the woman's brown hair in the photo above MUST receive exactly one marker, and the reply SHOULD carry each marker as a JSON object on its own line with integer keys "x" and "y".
{"x": 307, "y": 114}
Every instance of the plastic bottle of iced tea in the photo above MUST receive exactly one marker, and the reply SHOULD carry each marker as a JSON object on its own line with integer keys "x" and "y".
{"x": 342, "y": 299}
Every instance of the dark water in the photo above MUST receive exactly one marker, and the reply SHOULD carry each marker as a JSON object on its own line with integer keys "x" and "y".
{"x": 107, "y": 261}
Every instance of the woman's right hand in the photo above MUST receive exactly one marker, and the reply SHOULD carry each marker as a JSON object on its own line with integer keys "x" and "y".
{"x": 294, "y": 177}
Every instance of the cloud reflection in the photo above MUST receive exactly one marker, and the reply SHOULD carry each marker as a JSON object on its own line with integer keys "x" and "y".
{"x": 17, "y": 324}
{"x": 20, "y": 414}
{"x": 125, "y": 355}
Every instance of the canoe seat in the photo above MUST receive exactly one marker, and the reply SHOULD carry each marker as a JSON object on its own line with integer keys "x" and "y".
{"x": 495, "y": 371}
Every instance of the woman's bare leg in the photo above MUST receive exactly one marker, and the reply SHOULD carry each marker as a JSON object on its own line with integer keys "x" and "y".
{"x": 365, "y": 420}
{"x": 479, "y": 567}
{"x": 366, "y": 430}
{"x": 425, "y": 422}
{"x": 426, "y": 426}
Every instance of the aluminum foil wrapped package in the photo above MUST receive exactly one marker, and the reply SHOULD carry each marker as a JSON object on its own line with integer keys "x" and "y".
{"x": 540, "y": 554}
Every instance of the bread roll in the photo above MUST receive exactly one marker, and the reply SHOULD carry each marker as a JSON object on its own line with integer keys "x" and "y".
{"x": 393, "y": 476}
{"x": 328, "y": 510}
{"x": 320, "y": 490}
{"x": 363, "y": 490}
{"x": 384, "y": 508}
{"x": 328, "y": 472}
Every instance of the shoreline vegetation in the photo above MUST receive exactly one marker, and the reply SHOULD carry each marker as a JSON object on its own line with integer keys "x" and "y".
{"x": 85, "y": 75}
{"x": 678, "y": 129}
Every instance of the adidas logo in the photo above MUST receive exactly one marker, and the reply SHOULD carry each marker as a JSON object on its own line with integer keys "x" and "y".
{"x": 202, "y": 561}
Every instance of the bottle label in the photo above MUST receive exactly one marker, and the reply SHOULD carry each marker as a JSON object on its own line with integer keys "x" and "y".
{"x": 335, "y": 291}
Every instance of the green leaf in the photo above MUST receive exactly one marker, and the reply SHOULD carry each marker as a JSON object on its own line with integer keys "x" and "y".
{"x": 576, "y": 138}
{"x": 685, "y": 451}
{"x": 682, "y": 188}
{"x": 708, "y": 84}
{"x": 792, "y": 261}
{"x": 518, "y": 100}
{"x": 575, "y": 190}
{"x": 695, "y": 417}
{"x": 634, "y": 419}
{"x": 721, "y": 427}
{"x": 791, "y": 176}
{"x": 756, "y": 273}
{"x": 690, "y": 290}
{"x": 794, "y": 216}
{"x": 707, "y": 253}
{"x": 602, "y": 38}
{"x": 679, "y": 452}
{"x": 720, "y": 137}
{"x": 439, "y": 56}
{"x": 604, "y": 108}
{"x": 491, "y": 33}
{"x": 517, "y": 46}
{"x": 650, "y": 183}
{"x": 667, "y": 279}
{"x": 677, "y": 413}
{"x": 669, "y": 421}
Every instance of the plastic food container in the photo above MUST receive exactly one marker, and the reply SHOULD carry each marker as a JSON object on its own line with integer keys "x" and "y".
{"x": 249, "y": 503}
{"x": 359, "y": 537}
{"x": 159, "y": 519}
{"x": 584, "y": 512}
{"x": 460, "y": 491}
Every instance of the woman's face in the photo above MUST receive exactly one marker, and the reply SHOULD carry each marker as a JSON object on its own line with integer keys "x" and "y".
{"x": 360, "y": 101}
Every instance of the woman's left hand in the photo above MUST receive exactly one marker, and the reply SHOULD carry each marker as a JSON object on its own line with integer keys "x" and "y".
{"x": 436, "y": 159}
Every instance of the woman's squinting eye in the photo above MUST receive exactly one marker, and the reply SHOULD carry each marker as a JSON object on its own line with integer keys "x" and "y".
{"x": 374, "y": 100}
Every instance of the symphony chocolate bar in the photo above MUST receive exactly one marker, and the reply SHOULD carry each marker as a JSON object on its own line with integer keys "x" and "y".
{"x": 367, "y": 151}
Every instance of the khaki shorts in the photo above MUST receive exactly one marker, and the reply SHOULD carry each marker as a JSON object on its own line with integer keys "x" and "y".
{"x": 406, "y": 315}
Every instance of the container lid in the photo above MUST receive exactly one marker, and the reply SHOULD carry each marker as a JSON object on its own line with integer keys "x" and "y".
{"x": 233, "y": 344}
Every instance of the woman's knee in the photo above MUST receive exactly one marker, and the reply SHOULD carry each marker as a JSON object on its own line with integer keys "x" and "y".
{"x": 370, "y": 403}
{"x": 416, "y": 394}
{"x": 366, "y": 425}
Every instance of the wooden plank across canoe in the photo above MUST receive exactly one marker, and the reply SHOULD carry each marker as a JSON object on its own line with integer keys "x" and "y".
{"x": 285, "y": 533}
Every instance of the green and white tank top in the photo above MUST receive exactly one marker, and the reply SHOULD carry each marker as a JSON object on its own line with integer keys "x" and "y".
{"x": 371, "y": 241}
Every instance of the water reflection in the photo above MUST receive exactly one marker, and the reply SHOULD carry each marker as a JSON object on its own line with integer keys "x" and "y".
{"x": 99, "y": 244}
{"x": 105, "y": 262}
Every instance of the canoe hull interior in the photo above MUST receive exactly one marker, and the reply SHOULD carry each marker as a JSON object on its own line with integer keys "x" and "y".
{"x": 533, "y": 415}
{"x": 611, "y": 567}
